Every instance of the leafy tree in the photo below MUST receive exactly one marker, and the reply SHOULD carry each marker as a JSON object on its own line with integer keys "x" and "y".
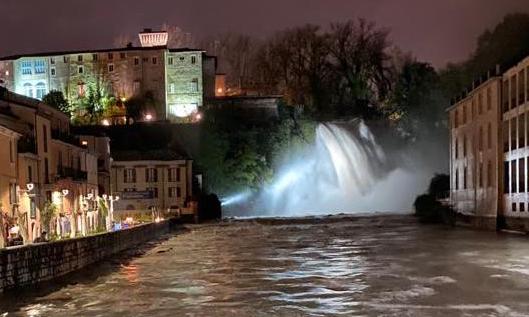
{"x": 56, "y": 99}
{"x": 137, "y": 106}
{"x": 47, "y": 214}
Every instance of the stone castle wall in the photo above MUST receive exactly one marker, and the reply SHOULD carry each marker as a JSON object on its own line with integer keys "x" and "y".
{"x": 31, "y": 264}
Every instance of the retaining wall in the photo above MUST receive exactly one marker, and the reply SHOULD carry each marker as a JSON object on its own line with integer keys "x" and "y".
{"x": 31, "y": 264}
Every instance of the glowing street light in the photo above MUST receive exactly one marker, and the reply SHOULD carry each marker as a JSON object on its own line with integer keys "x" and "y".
{"x": 148, "y": 117}
{"x": 105, "y": 122}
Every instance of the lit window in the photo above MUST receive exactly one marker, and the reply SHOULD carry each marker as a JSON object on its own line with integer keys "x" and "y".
{"x": 194, "y": 85}
{"x": 40, "y": 90}
{"x": 28, "y": 90}
{"x": 26, "y": 68}
{"x": 110, "y": 68}
{"x": 129, "y": 175}
{"x": 40, "y": 67}
{"x": 151, "y": 175}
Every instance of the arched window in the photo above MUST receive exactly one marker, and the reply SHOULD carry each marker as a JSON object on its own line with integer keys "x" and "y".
{"x": 40, "y": 90}
{"x": 28, "y": 90}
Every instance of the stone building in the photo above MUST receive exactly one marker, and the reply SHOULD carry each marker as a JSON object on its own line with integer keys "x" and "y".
{"x": 475, "y": 145}
{"x": 489, "y": 150}
{"x": 50, "y": 158}
{"x": 146, "y": 182}
{"x": 179, "y": 80}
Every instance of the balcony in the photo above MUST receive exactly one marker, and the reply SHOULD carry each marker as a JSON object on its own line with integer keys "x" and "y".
{"x": 26, "y": 144}
{"x": 67, "y": 172}
{"x": 65, "y": 137}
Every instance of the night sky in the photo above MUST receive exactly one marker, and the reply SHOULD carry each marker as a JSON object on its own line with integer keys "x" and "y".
{"x": 436, "y": 31}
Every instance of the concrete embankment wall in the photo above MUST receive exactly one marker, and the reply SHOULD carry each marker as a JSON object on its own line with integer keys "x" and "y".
{"x": 31, "y": 264}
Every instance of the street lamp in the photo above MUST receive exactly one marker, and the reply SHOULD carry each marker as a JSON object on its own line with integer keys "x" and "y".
{"x": 63, "y": 194}
{"x": 110, "y": 217}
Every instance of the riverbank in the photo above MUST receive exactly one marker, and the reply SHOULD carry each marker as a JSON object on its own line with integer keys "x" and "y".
{"x": 35, "y": 263}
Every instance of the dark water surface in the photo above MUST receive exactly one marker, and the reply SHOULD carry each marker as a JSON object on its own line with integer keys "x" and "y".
{"x": 382, "y": 266}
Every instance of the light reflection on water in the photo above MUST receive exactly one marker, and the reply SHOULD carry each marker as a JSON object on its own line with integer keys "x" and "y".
{"x": 365, "y": 267}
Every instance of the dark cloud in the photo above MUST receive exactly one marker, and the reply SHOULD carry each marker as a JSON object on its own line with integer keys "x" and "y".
{"x": 435, "y": 31}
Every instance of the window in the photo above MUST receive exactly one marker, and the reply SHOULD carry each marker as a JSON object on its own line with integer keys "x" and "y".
{"x": 174, "y": 192}
{"x": 480, "y": 175}
{"x": 129, "y": 175}
{"x": 182, "y": 58}
{"x": 30, "y": 174}
{"x": 521, "y": 131}
{"x": 456, "y": 115}
{"x": 136, "y": 86}
{"x": 194, "y": 85}
{"x": 514, "y": 128}
{"x": 522, "y": 207}
{"x": 472, "y": 109}
{"x": 489, "y": 99}
{"x": 172, "y": 89}
{"x": 506, "y": 177}
{"x": 513, "y": 206}
{"x": 457, "y": 179}
{"x": 456, "y": 150}
{"x": 129, "y": 189}
{"x": 527, "y": 84}
{"x": 122, "y": 55}
{"x": 154, "y": 60}
{"x": 514, "y": 168}
{"x": 154, "y": 191}
{"x": 52, "y": 71}
{"x": 480, "y": 140}
{"x": 110, "y": 68}
{"x": 464, "y": 114}
{"x": 12, "y": 193}
{"x": 52, "y": 60}
{"x": 80, "y": 69}
{"x": 489, "y": 174}
{"x": 513, "y": 92}
{"x": 110, "y": 56}
{"x": 28, "y": 90}
{"x": 145, "y": 59}
{"x": 32, "y": 208}
{"x": 151, "y": 175}
{"x": 136, "y": 60}
{"x": 40, "y": 90}
{"x": 46, "y": 171}
{"x": 174, "y": 174}
{"x": 40, "y": 66}
{"x": 489, "y": 136}
{"x": 521, "y": 175}
{"x": 26, "y": 68}
{"x": 79, "y": 58}
{"x": 464, "y": 146}
{"x": 465, "y": 177}
{"x": 11, "y": 152}
{"x": 170, "y": 60}
{"x": 521, "y": 88}
{"x": 94, "y": 57}
{"x": 193, "y": 59}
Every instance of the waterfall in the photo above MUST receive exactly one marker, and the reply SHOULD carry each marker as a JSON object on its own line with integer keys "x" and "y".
{"x": 344, "y": 171}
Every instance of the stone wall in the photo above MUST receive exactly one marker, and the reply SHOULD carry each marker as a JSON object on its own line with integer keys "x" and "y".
{"x": 31, "y": 264}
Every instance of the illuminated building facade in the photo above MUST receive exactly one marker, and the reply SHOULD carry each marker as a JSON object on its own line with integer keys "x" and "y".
{"x": 489, "y": 150}
{"x": 180, "y": 80}
{"x": 158, "y": 184}
{"x": 49, "y": 157}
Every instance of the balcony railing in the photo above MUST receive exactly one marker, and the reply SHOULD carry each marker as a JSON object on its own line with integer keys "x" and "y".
{"x": 26, "y": 144}
{"x": 67, "y": 172}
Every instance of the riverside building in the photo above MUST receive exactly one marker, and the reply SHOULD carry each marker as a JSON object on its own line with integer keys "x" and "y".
{"x": 179, "y": 80}
{"x": 489, "y": 150}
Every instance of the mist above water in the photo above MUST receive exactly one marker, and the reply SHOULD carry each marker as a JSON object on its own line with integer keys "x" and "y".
{"x": 345, "y": 171}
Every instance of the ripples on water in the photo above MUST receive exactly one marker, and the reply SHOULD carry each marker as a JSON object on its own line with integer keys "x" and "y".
{"x": 385, "y": 266}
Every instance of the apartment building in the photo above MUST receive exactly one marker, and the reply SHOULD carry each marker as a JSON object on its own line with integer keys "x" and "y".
{"x": 475, "y": 145}
{"x": 49, "y": 159}
{"x": 144, "y": 184}
{"x": 179, "y": 80}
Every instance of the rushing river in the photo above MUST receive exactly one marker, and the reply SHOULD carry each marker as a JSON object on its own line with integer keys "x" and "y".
{"x": 381, "y": 266}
